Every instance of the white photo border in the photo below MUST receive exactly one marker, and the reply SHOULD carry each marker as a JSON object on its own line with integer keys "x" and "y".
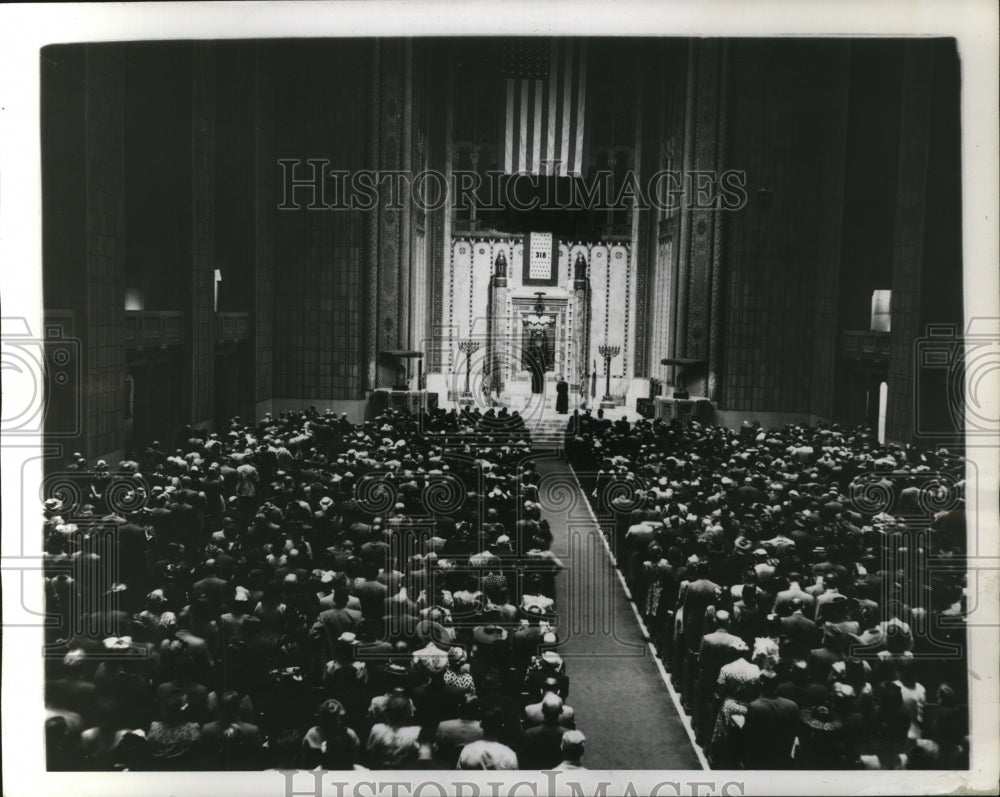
{"x": 26, "y": 28}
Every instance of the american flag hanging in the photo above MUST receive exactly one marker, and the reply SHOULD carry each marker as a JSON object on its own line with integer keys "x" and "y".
{"x": 546, "y": 91}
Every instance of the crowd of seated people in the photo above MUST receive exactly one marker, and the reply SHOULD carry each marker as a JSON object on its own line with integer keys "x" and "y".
{"x": 804, "y": 587}
{"x": 303, "y": 592}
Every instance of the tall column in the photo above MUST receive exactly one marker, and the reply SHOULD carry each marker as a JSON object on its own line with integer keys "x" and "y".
{"x": 388, "y": 232}
{"x": 497, "y": 332}
{"x": 581, "y": 314}
{"x": 701, "y": 311}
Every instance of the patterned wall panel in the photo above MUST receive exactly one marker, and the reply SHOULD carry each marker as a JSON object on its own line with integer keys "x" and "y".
{"x": 565, "y": 267}
{"x": 460, "y": 299}
{"x": 621, "y": 310}
{"x": 599, "y": 306}
{"x": 418, "y": 290}
{"x": 479, "y": 295}
{"x": 391, "y": 222}
{"x": 703, "y": 221}
{"x": 662, "y": 300}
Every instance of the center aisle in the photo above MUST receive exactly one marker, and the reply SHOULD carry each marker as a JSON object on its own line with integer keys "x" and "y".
{"x": 622, "y": 704}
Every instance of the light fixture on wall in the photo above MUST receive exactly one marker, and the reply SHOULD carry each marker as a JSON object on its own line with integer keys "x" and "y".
{"x": 133, "y": 299}
{"x": 218, "y": 286}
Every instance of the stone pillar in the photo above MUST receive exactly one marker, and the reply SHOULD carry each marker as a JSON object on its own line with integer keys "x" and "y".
{"x": 389, "y": 223}
{"x": 579, "y": 368}
{"x": 700, "y": 309}
{"x": 497, "y": 343}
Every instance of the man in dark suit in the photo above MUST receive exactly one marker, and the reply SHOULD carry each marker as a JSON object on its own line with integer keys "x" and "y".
{"x": 211, "y": 587}
{"x": 717, "y": 649}
{"x": 372, "y": 593}
{"x": 701, "y": 593}
{"x": 330, "y": 624}
{"x": 132, "y": 546}
{"x": 771, "y": 726}
{"x": 798, "y": 632}
{"x": 562, "y": 396}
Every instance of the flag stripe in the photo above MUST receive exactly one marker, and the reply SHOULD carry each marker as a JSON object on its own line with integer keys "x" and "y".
{"x": 536, "y": 154}
{"x": 580, "y": 108}
{"x": 546, "y": 113}
{"x": 567, "y": 107}
{"x": 550, "y": 153}
{"x": 522, "y": 160}
{"x": 574, "y": 64}
{"x": 509, "y": 138}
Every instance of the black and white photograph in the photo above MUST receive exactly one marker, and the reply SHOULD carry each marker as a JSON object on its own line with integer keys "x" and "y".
{"x": 500, "y": 399}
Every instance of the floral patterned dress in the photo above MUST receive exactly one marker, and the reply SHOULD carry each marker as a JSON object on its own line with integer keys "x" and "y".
{"x": 653, "y": 574}
{"x": 738, "y": 685}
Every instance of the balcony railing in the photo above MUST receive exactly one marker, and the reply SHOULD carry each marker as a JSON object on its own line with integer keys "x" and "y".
{"x": 864, "y": 345}
{"x": 232, "y": 327}
{"x": 153, "y": 329}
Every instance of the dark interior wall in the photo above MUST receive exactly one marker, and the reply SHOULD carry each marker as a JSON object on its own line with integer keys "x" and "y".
{"x": 942, "y": 294}
{"x": 870, "y": 176}
{"x": 158, "y": 172}
{"x": 871, "y": 173}
{"x": 83, "y": 235}
{"x": 318, "y": 94}
{"x": 940, "y": 407}
{"x": 925, "y": 399}
{"x": 235, "y": 143}
{"x": 262, "y": 316}
{"x": 834, "y": 84}
{"x": 63, "y": 175}
{"x": 777, "y": 131}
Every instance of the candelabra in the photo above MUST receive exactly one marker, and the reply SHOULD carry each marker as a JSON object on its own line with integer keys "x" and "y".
{"x": 608, "y": 353}
{"x": 468, "y": 347}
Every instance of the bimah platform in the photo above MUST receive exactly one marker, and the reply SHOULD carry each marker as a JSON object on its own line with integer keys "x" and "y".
{"x": 698, "y": 408}
{"x": 384, "y": 398}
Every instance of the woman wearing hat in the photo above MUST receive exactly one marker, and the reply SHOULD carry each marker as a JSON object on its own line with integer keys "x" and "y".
{"x": 821, "y": 742}
{"x": 458, "y": 673}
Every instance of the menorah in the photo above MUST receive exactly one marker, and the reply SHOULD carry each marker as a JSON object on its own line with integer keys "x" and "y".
{"x": 468, "y": 347}
{"x": 608, "y": 353}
